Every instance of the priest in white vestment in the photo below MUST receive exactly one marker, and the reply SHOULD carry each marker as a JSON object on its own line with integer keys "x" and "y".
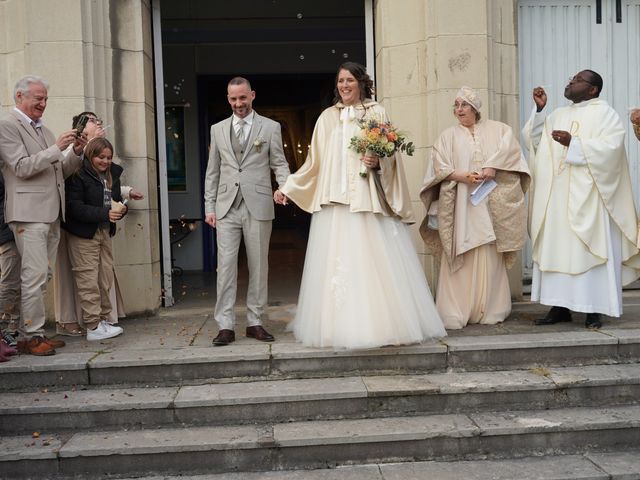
{"x": 582, "y": 217}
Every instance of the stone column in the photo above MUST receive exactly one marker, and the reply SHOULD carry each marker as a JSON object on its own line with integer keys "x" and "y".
{"x": 97, "y": 55}
{"x": 426, "y": 50}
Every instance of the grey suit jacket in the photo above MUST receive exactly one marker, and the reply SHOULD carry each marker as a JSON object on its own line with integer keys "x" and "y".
{"x": 34, "y": 171}
{"x": 251, "y": 175}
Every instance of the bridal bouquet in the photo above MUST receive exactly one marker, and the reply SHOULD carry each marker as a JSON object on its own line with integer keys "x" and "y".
{"x": 381, "y": 138}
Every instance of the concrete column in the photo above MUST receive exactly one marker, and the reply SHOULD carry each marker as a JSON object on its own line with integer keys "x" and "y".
{"x": 426, "y": 50}
{"x": 97, "y": 55}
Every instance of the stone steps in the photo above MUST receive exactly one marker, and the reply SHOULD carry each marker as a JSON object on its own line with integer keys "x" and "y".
{"x": 322, "y": 444}
{"x": 273, "y": 407}
{"x": 194, "y": 365}
{"x": 263, "y": 402}
{"x": 592, "y": 466}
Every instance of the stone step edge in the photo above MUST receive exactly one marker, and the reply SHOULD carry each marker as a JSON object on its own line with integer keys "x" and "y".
{"x": 305, "y": 390}
{"x": 283, "y": 352}
{"x": 615, "y": 465}
{"x": 320, "y": 433}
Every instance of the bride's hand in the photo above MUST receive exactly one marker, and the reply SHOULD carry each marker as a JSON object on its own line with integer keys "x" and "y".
{"x": 371, "y": 161}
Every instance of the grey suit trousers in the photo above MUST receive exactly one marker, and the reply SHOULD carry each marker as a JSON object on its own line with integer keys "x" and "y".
{"x": 238, "y": 223}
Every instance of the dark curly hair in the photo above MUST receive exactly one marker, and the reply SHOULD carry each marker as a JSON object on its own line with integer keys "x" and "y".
{"x": 360, "y": 74}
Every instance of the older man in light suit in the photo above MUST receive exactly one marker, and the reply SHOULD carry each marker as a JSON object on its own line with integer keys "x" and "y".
{"x": 244, "y": 149}
{"x": 34, "y": 169}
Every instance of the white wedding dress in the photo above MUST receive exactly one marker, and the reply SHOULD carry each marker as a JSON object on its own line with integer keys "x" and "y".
{"x": 363, "y": 285}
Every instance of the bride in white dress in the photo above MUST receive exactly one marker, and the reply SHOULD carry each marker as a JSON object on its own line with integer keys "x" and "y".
{"x": 362, "y": 284}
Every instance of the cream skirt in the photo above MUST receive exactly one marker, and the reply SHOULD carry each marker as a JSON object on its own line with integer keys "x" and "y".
{"x": 362, "y": 285}
{"x": 476, "y": 293}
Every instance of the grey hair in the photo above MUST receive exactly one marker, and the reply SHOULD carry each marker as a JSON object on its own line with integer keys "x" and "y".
{"x": 22, "y": 85}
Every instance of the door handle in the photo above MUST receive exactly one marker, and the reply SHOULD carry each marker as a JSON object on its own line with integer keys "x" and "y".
{"x": 598, "y": 12}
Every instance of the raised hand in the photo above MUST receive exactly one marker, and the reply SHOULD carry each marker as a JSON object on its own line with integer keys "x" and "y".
{"x": 540, "y": 98}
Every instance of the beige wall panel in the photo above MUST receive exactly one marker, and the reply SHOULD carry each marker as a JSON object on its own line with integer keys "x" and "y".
{"x": 13, "y": 26}
{"x": 419, "y": 213}
{"x": 415, "y": 168}
{"x": 60, "y": 111}
{"x": 504, "y": 68}
{"x": 431, "y": 270}
{"x": 140, "y": 296}
{"x": 508, "y": 112}
{"x": 60, "y": 63}
{"x": 403, "y": 21}
{"x": 133, "y": 242}
{"x": 131, "y": 129}
{"x": 401, "y": 73}
{"x": 409, "y": 115}
{"x": 127, "y": 26}
{"x": 441, "y": 112}
{"x": 504, "y": 16}
{"x": 150, "y": 124}
{"x": 139, "y": 173}
{"x": 130, "y": 89}
{"x": 4, "y": 20}
{"x": 149, "y": 89}
{"x": 147, "y": 37}
{"x": 53, "y": 21}
{"x": 461, "y": 17}
{"x": 101, "y": 71}
{"x": 14, "y": 62}
{"x": 462, "y": 60}
{"x": 91, "y": 59}
{"x": 515, "y": 279}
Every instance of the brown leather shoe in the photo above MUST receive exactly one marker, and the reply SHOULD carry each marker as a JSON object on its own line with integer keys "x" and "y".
{"x": 35, "y": 346}
{"x": 225, "y": 337}
{"x": 54, "y": 343}
{"x": 259, "y": 333}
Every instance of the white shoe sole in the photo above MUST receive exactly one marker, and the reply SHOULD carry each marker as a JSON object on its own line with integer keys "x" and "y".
{"x": 104, "y": 337}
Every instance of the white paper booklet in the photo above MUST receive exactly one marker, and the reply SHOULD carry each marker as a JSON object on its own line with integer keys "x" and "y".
{"x": 482, "y": 190}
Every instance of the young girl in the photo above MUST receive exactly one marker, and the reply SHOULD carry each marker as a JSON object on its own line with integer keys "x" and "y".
{"x": 93, "y": 206}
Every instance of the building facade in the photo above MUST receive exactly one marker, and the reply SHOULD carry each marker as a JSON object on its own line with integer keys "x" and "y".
{"x": 155, "y": 71}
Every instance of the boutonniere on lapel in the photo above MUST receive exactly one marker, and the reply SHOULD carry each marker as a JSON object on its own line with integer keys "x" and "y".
{"x": 258, "y": 144}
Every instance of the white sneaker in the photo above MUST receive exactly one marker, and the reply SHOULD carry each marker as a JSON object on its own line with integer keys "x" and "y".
{"x": 103, "y": 331}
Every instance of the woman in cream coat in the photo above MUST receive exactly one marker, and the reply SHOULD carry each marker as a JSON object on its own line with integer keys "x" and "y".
{"x": 362, "y": 284}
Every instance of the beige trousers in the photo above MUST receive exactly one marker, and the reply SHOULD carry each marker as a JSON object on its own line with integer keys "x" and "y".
{"x": 37, "y": 244}
{"x": 66, "y": 300}
{"x": 237, "y": 224}
{"x": 10, "y": 283}
{"x": 92, "y": 266}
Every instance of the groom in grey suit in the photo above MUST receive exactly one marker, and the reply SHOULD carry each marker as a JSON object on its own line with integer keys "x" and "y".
{"x": 238, "y": 204}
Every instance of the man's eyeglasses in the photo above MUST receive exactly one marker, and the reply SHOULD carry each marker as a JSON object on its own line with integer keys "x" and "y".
{"x": 97, "y": 121}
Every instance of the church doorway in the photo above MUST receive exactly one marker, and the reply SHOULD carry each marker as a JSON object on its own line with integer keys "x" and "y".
{"x": 290, "y": 51}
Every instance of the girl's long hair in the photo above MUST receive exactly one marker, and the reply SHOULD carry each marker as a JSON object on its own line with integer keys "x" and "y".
{"x": 95, "y": 148}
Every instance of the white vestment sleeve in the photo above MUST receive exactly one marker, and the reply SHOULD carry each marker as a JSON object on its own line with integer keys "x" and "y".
{"x": 537, "y": 125}
{"x": 575, "y": 155}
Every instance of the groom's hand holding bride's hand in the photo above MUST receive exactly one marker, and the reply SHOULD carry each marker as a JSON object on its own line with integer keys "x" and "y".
{"x": 280, "y": 198}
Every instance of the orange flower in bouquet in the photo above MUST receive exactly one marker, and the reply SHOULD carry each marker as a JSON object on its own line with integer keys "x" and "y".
{"x": 381, "y": 138}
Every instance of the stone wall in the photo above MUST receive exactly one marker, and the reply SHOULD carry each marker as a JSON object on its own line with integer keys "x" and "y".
{"x": 97, "y": 55}
{"x": 425, "y": 51}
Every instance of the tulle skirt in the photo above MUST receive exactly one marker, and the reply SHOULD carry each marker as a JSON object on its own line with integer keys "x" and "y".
{"x": 362, "y": 285}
